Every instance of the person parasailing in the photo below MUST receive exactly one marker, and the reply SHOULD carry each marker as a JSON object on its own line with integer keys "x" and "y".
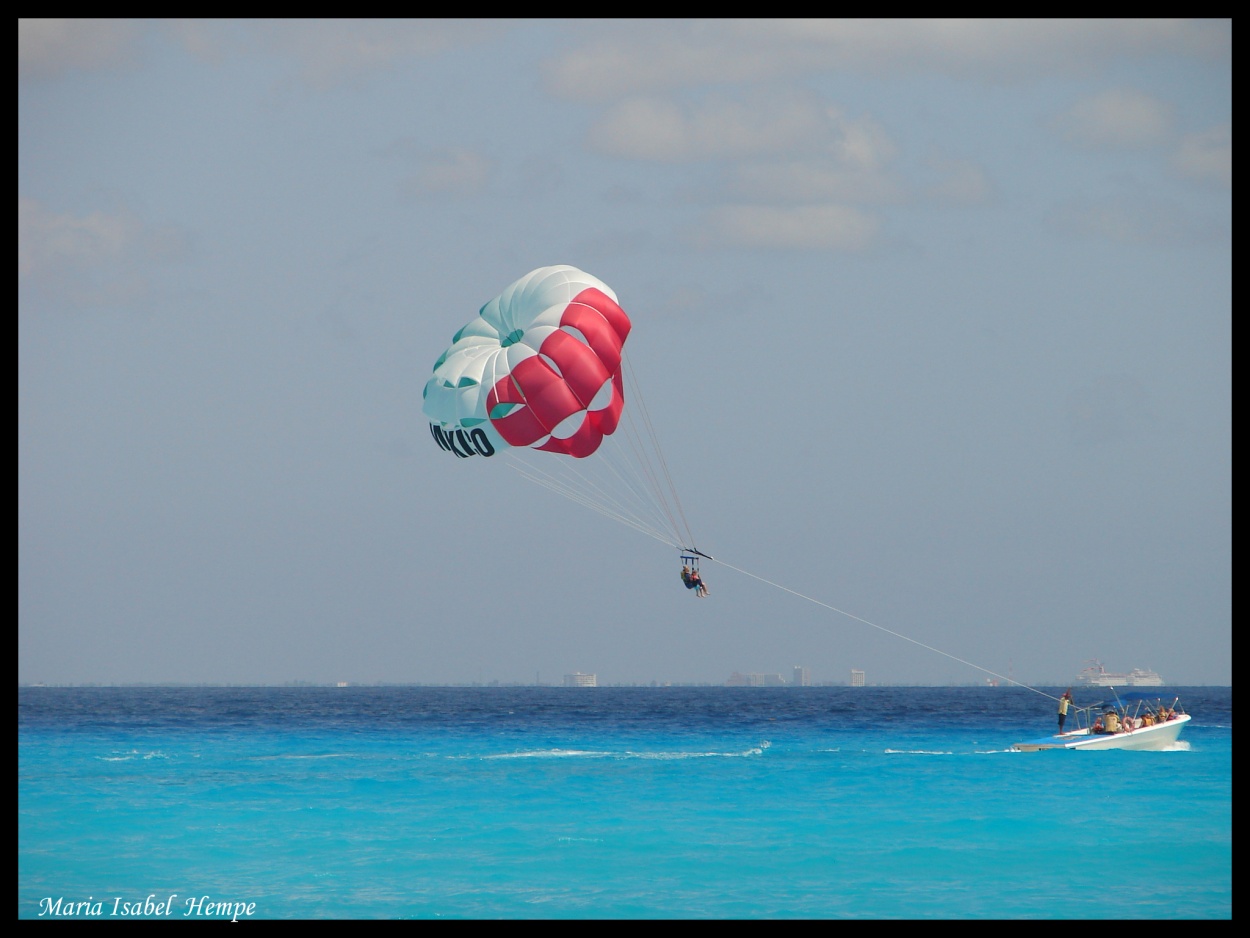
{"x": 690, "y": 575}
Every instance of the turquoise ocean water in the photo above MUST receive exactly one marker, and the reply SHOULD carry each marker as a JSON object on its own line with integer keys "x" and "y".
{"x": 609, "y": 803}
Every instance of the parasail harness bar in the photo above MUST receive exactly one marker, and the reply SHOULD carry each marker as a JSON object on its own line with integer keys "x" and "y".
{"x": 691, "y": 555}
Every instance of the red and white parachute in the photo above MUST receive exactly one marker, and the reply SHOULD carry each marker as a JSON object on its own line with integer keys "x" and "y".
{"x": 542, "y": 367}
{"x": 539, "y": 367}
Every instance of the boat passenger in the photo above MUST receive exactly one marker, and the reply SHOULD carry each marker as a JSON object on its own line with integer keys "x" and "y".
{"x": 1111, "y": 722}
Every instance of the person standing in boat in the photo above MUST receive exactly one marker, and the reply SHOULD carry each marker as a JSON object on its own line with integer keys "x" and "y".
{"x": 1064, "y": 702}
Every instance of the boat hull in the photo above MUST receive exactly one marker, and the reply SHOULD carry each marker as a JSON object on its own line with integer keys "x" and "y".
{"x": 1158, "y": 736}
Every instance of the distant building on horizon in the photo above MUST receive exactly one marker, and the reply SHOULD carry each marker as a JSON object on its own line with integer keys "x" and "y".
{"x": 755, "y": 680}
{"x": 857, "y": 677}
{"x": 578, "y": 679}
{"x": 802, "y": 676}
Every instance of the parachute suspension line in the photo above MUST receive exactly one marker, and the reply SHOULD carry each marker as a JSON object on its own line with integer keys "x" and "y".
{"x": 620, "y": 481}
{"x": 577, "y": 486}
{"x": 627, "y": 479}
{"x": 628, "y": 439}
{"x": 623, "y": 475}
{"x": 653, "y": 441}
{"x": 880, "y": 628}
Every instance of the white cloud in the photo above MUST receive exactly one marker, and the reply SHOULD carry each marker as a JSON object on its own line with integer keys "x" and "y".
{"x": 48, "y": 242}
{"x": 1010, "y": 48}
{"x": 665, "y": 131}
{"x": 332, "y": 52}
{"x": 959, "y": 182}
{"x": 794, "y": 165}
{"x": 1208, "y": 156}
{"x": 1134, "y": 219}
{"x": 806, "y": 227}
{"x": 91, "y": 258}
{"x": 649, "y": 56}
{"x": 722, "y": 128}
{"x": 814, "y": 180}
{"x": 326, "y": 52}
{"x": 47, "y": 48}
{"x": 1119, "y": 118}
{"x": 448, "y": 172}
{"x": 638, "y": 58}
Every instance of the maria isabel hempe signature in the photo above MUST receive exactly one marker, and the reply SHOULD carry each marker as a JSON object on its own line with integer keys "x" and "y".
{"x": 148, "y": 907}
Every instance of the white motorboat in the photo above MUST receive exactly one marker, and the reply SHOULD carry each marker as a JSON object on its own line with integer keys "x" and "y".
{"x": 1143, "y": 726}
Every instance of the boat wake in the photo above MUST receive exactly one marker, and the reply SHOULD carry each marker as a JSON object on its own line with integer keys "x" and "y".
{"x": 757, "y": 750}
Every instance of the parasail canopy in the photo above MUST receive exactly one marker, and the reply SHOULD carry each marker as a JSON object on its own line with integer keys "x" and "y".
{"x": 541, "y": 370}
{"x": 539, "y": 367}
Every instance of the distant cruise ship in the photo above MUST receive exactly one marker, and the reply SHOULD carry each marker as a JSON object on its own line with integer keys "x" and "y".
{"x": 1097, "y": 676}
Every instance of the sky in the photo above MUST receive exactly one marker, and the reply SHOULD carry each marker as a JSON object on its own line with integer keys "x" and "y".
{"x": 932, "y": 320}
